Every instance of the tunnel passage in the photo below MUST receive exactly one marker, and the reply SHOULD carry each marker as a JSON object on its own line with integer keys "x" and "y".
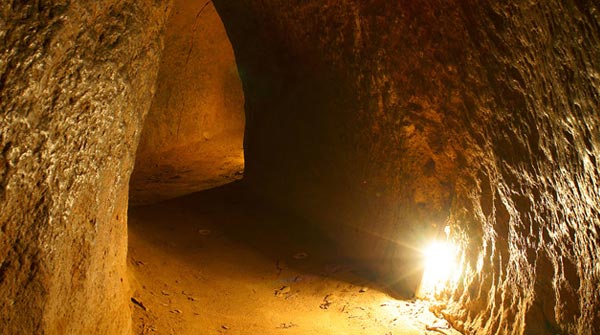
{"x": 192, "y": 137}
{"x": 377, "y": 121}
{"x": 191, "y": 141}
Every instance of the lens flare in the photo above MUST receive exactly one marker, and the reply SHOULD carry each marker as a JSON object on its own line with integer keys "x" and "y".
{"x": 439, "y": 263}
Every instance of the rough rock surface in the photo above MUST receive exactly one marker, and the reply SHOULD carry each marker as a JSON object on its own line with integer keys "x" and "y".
{"x": 382, "y": 121}
{"x": 378, "y": 121}
{"x": 193, "y": 135}
{"x": 526, "y": 210}
{"x": 76, "y": 78}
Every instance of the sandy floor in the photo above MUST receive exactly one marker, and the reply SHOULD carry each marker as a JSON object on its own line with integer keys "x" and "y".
{"x": 212, "y": 263}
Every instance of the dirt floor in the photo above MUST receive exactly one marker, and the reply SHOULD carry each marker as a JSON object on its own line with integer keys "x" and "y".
{"x": 215, "y": 263}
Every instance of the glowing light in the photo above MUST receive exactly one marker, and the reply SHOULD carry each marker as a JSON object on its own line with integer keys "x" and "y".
{"x": 440, "y": 261}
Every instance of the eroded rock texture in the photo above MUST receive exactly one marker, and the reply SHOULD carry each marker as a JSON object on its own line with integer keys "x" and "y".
{"x": 193, "y": 135}
{"x": 526, "y": 208}
{"x": 381, "y": 121}
{"x": 76, "y": 79}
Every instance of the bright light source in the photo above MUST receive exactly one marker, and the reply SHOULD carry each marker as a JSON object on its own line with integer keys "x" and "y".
{"x": 440, "y": 261}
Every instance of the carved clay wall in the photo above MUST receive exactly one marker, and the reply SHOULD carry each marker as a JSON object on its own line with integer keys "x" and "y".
{"x": 76, "y": 79}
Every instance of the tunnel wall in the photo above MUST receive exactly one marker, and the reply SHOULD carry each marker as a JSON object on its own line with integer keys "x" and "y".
{"x": 195, "y": 127}
{"x": 526, "y": 209}
{"x": 76, "y": 78}
{"x": 383, "y": 121}
{"x": 346, "y": 119}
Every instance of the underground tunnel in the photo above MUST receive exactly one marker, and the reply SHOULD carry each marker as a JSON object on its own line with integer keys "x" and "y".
{"x": 300, "y": 167}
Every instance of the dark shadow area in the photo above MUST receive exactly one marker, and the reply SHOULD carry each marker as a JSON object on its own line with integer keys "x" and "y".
{"x": 272, "y": 232}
